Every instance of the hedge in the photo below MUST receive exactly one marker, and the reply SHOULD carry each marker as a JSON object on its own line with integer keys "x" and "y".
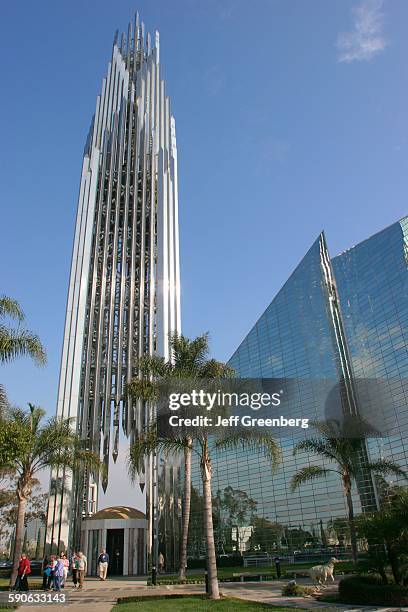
{"x": 369, "y": 590}
{"x": 233, "y": 561}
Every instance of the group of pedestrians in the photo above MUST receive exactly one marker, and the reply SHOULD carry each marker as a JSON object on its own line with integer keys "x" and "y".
{"x": 56, "y": 569}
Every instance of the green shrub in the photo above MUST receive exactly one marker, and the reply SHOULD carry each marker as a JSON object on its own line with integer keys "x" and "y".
{"x": 296, "y": 590}
{"x": 370, "y": 590}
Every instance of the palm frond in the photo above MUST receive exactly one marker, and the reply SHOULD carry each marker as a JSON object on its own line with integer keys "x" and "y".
{"x": 187, "y": 356}
{"x": 89, "y": 459}
{"x": 149, "y": 442}
{"x": 386, "y": 467}
{"x": 254, "y": 441}
{"x": 20, "y": 343}
{"x": 317, "y": 446}
{"x": 142, "y": 389}
{"x": 10, "y": 308}
{"x": 143, "y": 447}
{"x": 307, "y": 474}
{"x": 173, "y": 446}
{"x": 153, "y": 366}
{"x": 216, "y": 369}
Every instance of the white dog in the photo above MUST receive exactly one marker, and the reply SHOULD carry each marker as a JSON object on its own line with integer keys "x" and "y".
{"x": 321, "y": 573}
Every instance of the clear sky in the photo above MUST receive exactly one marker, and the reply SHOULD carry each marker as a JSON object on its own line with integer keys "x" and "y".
{"x": 291, "y": 117}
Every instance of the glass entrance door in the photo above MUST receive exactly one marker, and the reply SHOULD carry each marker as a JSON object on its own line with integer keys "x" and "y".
{"x": 114, "y": 548}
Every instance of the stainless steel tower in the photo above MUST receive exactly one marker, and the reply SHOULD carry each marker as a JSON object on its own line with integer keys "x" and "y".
{"x": 124, "y": 289}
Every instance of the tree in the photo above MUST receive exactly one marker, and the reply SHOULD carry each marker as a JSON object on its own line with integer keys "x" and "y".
{"x": 344, "y": 454}
{"x": 196, "y": 540}
{"x": 340, "y": 529}
{"x": 188, "y": 361}
{"x": 13, "y": 441}
{"x": 266, "y": 535}
{"x": 35, "y": 509}
{"x": 25, "y": 542}
{"x": 50, "y": 444}
{"x": 388, "y": 526}
{"x": 16, "y": 342}
{"x": 199, "y": 443}
{"x": 3, "y": 400}
{"x": 39, "y": 545}
{"x": 235, "y": 510}
{"x": 298, "y": 538}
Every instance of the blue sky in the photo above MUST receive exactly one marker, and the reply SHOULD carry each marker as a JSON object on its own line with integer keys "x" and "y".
{"x": 291, "y": 117}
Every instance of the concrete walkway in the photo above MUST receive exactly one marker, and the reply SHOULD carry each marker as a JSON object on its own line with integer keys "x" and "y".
{"x": 97, "y": 596}
{"x": 101, "y": 596}
{"x": 271, "y": 593}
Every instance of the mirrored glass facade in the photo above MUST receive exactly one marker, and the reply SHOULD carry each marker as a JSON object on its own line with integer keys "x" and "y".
{"x": 372, "y": 282}
{"x": 334, "y": 319}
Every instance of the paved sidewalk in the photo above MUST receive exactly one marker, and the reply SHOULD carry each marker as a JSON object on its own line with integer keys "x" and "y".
{"x": 101, "y": 596}
{"x": 97, "y": 596}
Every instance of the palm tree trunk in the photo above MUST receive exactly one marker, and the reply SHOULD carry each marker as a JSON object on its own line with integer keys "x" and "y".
{"x": 393, "y": 562}
{"x": 208, "y": 523}
{"x": 186, "y": 509}
{"x": 353, "y": 535}
{"x": 18, "y": 543}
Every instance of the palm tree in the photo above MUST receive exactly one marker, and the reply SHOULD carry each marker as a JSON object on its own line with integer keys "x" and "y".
{"x": 3, "y": 400}
{"x": 189, "y": 362}
{"x": 16, "y": 342}
{"x": 344, "y": 454}
{"x": 53, "y": 444}
{"x": 199, "y": 443}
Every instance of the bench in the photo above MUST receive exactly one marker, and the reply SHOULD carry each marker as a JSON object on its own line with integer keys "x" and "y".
{"x": 257, "y": 561}
{"x": 260, "y": 576}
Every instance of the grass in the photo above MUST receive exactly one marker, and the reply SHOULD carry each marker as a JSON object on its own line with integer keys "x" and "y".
{"x": 33, "y": 583}
{"x": 193, "y": 603}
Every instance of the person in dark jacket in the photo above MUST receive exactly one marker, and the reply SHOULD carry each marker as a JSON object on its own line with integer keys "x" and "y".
{"x": 103, "y": 563}
{"x": 75, "y": 570}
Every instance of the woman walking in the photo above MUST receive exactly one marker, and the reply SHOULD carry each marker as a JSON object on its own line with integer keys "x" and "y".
{"x": 75, "y": 569}
{"x": 66, "y": 568}
{"x": 58, "y": 574}
{"x": 24, "y": 569}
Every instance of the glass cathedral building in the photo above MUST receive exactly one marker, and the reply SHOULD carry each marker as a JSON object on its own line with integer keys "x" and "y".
{"x": 341, "y": 319}
{"x": 124, "y": 288}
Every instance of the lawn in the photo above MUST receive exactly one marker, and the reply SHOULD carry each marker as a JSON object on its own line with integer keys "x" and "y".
{"x": 195, "y": 604}
{"x": 33, "y": 583}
